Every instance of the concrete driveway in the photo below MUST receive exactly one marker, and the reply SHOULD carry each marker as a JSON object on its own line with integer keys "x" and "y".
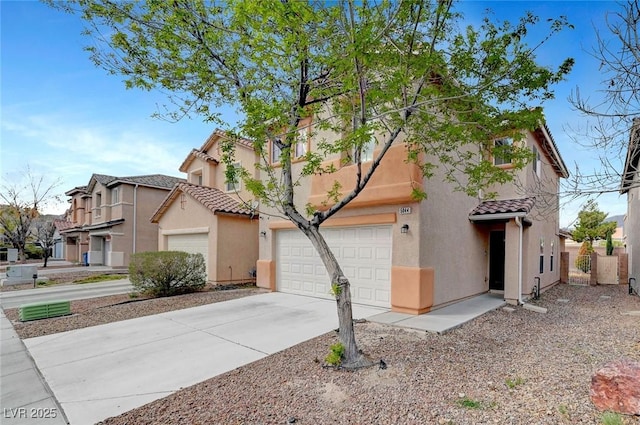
{"x": 102, "y": 371}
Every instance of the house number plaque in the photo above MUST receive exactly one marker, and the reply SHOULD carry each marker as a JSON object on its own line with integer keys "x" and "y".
{"x": 405, "y": 210}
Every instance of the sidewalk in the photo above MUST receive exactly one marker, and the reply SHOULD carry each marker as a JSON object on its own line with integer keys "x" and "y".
{"x": 24, "y": 395}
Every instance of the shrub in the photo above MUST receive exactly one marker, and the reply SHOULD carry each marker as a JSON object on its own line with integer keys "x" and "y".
{"x": 166, "y": 273}
{"x": 334, "y": 358}
{"x": 33, "y": 252}
{"x": 583, "y": 262}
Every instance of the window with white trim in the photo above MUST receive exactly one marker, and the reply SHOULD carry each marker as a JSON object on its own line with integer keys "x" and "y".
{"x": 537, "y": 163}
{"x": 98, "y": 204}
{"x": 234, "y": 185}
{"x": 502, "y": 151}
{"x": 302, "y": 143}
{"x": 275, "y": 152}
{"x": 541, "y": 254}
{"x": 115, "y": 195}
{"x": 366, "y": 151}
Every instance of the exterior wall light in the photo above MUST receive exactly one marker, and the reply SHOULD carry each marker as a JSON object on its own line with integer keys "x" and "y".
{"x": 404, "y": 228}
{"x": 263, "y": 234}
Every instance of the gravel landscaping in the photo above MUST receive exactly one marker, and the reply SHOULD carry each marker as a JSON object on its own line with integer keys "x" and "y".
{"x": 518, "y": 367}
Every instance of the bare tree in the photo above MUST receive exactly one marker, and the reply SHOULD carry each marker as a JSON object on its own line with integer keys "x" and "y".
{"x": 612, "y": 110}
{"x": 45, "y": 233}
{"x": 22, "y": 203}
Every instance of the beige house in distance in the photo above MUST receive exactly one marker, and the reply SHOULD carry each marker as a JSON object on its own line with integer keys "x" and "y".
{"x": 207, "y": 215}
{"x": 413, "y": 256}
{"x": 108, "y": 219}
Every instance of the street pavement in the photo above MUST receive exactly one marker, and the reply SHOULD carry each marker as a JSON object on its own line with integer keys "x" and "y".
{"x": 12, "y": 299}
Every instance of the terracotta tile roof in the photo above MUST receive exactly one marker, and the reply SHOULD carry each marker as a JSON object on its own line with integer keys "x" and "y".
{"x": 203, "y": 151}
{"x": 219, "y": 134}
{"x": 213, "y": 199}
{"x": 64, "y": 224}
{"x": 504, "y": 206}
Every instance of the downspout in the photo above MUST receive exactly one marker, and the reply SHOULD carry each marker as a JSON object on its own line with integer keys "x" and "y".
{"x": 135, "y": 216}
{"x": 519, "y": 224}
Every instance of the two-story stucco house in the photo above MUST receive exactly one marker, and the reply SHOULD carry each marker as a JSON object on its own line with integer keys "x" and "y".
{"x": 108, "y": 219}
{"x": 208, "y": 215}
{"x": 631, "y": 187}
{"x": 417, "y": 256}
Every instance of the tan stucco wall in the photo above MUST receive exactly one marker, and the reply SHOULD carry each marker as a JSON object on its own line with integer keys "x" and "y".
{"x": 238, "y": 248}
{"x": 453, "y": 246}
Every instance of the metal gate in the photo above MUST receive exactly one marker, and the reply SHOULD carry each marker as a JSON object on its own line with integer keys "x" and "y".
{"x": 607, "y": 272}
{"x": 579, "y": 269}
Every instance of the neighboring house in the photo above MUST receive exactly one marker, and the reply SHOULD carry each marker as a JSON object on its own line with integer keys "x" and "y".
{"x": 631, "y": 187}
{"x": 109, "y": 218}
{"x": 417, "y": 256}
{"x": 57, "y": 251}
{"x": 211, "y": 216}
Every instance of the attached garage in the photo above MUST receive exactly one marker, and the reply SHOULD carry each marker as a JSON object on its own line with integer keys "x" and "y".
{"x": 192, "y": 243}
{"x": 364, "y": 253}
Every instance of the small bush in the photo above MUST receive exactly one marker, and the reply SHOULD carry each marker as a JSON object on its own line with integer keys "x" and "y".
{"x": 33, "y": 252}
{"x": 166, "y": 273}
{"x": 334, "y": 358}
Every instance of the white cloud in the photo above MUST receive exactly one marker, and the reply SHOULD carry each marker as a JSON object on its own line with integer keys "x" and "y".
{"x": 61, "y": 146}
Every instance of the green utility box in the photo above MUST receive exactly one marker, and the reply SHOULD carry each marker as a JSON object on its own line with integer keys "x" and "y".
{"x": 44, "y": 310}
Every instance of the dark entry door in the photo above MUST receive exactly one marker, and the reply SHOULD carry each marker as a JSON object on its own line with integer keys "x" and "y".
{"x": 496, "y": 260}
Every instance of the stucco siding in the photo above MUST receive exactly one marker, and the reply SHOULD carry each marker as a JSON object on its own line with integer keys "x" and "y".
{"x": 451, "y": 244}
{"x": 237, "y": 251}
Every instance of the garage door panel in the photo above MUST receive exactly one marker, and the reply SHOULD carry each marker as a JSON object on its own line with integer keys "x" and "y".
{"x": 195, "y": 243}
{"x": 364, "y": 253}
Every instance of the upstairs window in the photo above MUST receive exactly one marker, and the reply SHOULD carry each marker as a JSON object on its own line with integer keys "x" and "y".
{"x": 302, "y": 144}
{"x": 502, "y": 151}
{"x": 537, "y": 163}
{"x": 234, "y": 186}
{"x": 195, "y": 177}
{"x": 98, "y": 204}
{"x": 115, "y": 195}
{"x": 275, "y": 152}
{"x": 366, "y": 151}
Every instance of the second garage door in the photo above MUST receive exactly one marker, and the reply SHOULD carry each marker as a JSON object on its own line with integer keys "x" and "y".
{"x": 192, "y": 243}
{"x": 363, "y": 252}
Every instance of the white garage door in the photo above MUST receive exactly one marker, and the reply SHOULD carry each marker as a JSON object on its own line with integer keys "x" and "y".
{"x": 192, "y": 243}
{"x": 364, "y": 253}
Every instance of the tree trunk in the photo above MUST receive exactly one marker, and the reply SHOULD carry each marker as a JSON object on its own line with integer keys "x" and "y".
{"x": 353, "y": 358}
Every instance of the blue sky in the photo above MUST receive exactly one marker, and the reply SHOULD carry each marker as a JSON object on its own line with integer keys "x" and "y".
{"x": 67, "y": 119}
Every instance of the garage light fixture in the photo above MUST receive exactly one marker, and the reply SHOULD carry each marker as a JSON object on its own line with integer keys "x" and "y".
{"x": 404, "y": 228}
{"x": 263, "y": 234}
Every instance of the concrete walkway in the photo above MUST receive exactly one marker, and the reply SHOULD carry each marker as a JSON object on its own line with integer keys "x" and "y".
{"x": 25, "y": 397}
{"x": 106, "y": 370}
{"x": 444, "y": 319}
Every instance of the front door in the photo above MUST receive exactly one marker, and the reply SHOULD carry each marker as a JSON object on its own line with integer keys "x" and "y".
{"x": 496, "y": 260}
